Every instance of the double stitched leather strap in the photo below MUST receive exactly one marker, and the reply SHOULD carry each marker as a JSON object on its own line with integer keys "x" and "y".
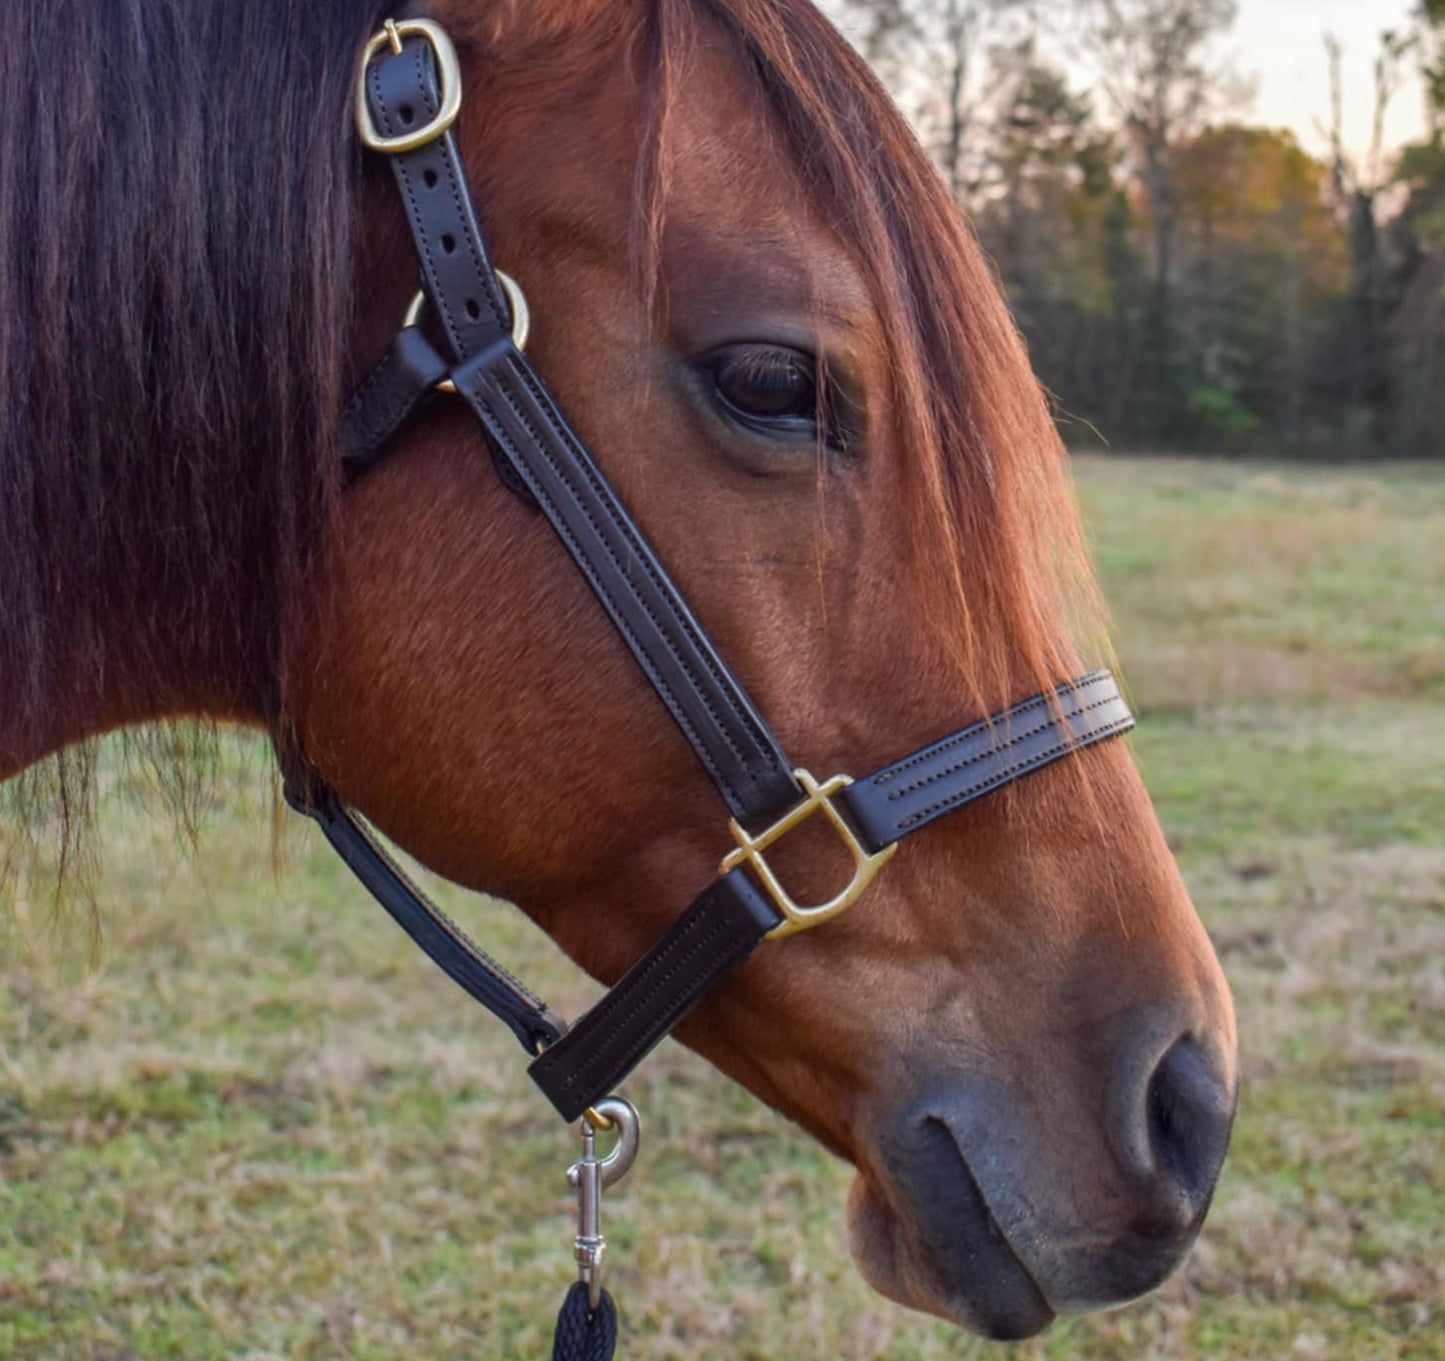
{"x": 910, "y": 793}
{"x": 730, "y": 737}
{"x": 720, "y": 930}
{"x": 402, "y": 92}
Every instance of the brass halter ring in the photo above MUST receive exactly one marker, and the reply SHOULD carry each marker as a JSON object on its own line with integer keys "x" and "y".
{"x": 516, "y": 304}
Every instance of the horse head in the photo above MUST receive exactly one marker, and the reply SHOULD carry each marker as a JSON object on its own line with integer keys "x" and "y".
{"x": 769, "y": 326}
{"x": 759, "y": 309}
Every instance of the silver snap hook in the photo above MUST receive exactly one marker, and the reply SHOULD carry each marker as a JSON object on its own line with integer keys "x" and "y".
{"x": 591, "y": 1176}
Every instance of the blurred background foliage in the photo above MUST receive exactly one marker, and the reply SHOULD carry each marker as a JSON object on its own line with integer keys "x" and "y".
{"x": 1185, "y": 279}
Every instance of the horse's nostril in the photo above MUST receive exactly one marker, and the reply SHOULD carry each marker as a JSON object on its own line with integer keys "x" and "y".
{"x": 1189, "y": 1111}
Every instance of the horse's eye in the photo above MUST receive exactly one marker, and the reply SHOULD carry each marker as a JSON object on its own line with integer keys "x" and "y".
{"x": 769, "y": 383}
{"x": 780, "y": 393}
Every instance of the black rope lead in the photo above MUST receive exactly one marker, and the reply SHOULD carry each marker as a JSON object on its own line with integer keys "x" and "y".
{"x": 585, "y": 1334}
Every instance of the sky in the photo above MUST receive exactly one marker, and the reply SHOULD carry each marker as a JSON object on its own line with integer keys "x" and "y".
{"x": 1280, "y": 43}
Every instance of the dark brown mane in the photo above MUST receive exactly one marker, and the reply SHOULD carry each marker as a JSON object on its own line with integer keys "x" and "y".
{"x": 175, "y": 202}
{"x": 993, "y": 519}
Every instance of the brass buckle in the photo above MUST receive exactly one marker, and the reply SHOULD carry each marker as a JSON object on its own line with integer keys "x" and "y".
{"x": 750, "y": 849}
{"x": 448, "y": 68}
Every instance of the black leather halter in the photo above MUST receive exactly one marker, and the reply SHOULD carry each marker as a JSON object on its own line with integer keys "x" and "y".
{"x": 405, "y": 109}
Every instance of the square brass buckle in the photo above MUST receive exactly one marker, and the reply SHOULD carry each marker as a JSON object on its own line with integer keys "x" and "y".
{"x": 449, "y": 71}
{"x": 750, "y": 848}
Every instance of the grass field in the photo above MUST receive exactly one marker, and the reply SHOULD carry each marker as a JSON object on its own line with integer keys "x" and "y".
{"x": 261, "y": 1126}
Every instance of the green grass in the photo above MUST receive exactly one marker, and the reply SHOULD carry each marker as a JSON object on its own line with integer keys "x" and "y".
{"x": 260, "y": 1127}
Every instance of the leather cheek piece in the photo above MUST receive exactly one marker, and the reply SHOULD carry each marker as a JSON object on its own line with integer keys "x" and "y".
{"x": 715, "y": 714}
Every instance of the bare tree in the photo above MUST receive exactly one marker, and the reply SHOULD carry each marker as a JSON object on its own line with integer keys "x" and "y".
{"x": 1156, "y": 63}
{"x": 935, "y": 57}
{"x": 1370, "y": 174}
{"x": 1357, "y": 186}
{"x": 1430, "y": 26}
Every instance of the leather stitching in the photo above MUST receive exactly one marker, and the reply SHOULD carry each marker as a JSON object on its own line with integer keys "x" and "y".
{"x": 448, "y": 155}
{"x": 440, "y": 919}
{"x": 998, "y": 749}
{"x": 421, "y": 234}
{"x": 521, "y": 371}
{"x": 969, "y": 734}
{"x": 759, "y": 766}
{"x": 445, "y": 148}
{"x": 651, "y": 985}
{"x": 641, "y": 556}
{"x": 618, "y": 618}
{"x": 500, "y": 318}
{"x": 1010, "y": 773}
{"x": 603, "y": 589}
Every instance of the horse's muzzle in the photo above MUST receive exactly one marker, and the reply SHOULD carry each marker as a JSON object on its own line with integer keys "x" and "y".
{"x": 999, "y": 1207}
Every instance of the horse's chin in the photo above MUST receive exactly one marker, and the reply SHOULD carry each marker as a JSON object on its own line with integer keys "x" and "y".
{"x": 976, "y": 1281}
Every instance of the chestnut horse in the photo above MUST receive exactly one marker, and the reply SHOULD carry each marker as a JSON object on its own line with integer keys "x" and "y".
{"x": 1020, "y": 1037}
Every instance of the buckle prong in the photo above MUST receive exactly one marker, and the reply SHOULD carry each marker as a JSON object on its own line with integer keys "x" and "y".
{"x": 449, "y": 72}
{"x": 750, "y": 852}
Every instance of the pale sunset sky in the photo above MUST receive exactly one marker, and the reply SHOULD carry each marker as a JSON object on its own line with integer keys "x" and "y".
{"x": 1280, "y": 43}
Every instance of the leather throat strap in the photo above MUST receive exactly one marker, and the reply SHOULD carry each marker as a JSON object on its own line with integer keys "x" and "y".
{"x": 541, "y": 458}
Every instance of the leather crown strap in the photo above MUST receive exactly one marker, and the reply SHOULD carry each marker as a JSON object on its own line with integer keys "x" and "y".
{"x": 404, "y": 110}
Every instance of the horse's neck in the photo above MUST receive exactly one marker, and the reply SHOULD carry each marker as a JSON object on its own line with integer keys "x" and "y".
{"x": 117, "y": 679}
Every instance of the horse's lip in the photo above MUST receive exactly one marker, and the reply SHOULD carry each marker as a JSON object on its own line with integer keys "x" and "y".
{"x": 932, "y": 1242}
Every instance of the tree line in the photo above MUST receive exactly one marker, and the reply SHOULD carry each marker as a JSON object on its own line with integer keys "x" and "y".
{"x": 1186, "y": 279}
